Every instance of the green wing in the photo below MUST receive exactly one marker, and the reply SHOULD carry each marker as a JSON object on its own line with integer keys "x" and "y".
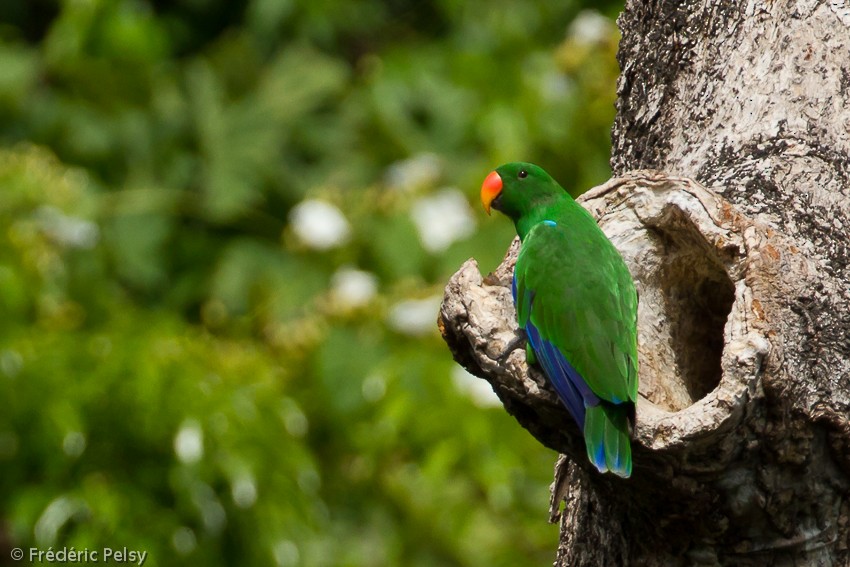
{"x": 574, "y": 288}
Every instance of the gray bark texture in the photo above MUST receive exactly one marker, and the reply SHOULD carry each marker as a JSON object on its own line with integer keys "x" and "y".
{"x": 731, "y": 206}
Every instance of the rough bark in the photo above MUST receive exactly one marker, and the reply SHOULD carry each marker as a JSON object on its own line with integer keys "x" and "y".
{"x": 740, "y": 255}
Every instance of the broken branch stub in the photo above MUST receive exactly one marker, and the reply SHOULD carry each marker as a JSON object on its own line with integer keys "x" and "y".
{"x": 700, "y": 268}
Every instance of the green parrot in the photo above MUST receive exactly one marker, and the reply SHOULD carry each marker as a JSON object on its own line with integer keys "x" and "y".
{"x": 577, "y": 303}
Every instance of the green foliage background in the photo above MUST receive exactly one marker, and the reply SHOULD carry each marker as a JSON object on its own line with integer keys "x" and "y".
{"x": 181, "y": 369}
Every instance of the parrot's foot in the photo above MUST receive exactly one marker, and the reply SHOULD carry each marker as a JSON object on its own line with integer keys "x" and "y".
{"x": 512, "y": 346}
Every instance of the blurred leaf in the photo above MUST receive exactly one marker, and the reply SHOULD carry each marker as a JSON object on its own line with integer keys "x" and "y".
{"x": 137, "y": 243}
{"x": 256, "y": 278}
{"x": 18, "y": 73}
{"x": 393, "y": 247}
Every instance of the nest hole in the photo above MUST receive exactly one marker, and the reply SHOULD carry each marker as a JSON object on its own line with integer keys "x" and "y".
{"x": 696, "y": 296}
{"x": 699, "y": 299}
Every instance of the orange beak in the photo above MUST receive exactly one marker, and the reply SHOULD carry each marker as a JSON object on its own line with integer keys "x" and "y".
{"x": 490, "y": 189}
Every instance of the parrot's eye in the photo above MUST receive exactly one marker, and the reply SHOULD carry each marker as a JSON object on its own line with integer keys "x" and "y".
{"x": 522, "y": 174}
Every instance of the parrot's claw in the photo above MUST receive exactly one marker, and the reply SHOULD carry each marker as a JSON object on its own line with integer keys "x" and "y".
{"x": 515, "y": 343}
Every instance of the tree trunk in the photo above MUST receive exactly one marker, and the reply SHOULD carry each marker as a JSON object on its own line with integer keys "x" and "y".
{"x": 740, "y": 256}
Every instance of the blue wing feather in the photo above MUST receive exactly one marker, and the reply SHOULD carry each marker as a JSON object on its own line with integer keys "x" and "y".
{"x": 572, "y": 389}
{"x": 599, "y": 458}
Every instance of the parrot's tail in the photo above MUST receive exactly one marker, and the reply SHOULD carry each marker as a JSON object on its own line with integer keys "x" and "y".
{"x": 607, "y": 436}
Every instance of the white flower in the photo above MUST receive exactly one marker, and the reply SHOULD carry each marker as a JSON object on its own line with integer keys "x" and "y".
{"x": 244, "y": 491}
{"x": 590, "y": 27}
{"x": 421, "y": 170}
{"x": 555, "y": 86}
{"x": 189, "y": 442}
{"x": 57, "y": 514}
{"x": 353, "y": 288}
{"x": 286, "y": 553}
{"x": 319, "y": 224}
{"x": 184, "y": 541}
{"x": 74, "y": 443}
{"x": 374, "y": 387}
{"x": 69, "y": 231}
{"x": 442, "y": 218}
{"x": 415, "y": 317}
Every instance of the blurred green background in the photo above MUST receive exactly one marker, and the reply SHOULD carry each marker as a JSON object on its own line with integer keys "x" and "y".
{"x": 225, "y": 231}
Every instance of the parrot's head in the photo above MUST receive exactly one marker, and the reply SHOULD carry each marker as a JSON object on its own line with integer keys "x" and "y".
{"x": 519, "y": 188}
